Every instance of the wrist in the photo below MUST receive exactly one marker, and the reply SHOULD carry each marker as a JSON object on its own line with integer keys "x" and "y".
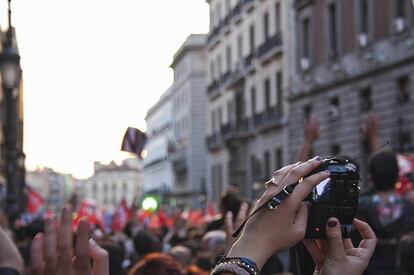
{"x": 246, "y": 249}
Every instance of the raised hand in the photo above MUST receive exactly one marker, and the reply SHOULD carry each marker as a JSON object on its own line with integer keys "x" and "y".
{"x": 52, "y": 252}
{"x": 336, "y": 256}
{"x": 232, "y": 226}
{"x": 312, "y": 130}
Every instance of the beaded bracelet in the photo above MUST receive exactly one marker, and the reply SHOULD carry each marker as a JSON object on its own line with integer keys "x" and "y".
{"x": 236, "y": 265}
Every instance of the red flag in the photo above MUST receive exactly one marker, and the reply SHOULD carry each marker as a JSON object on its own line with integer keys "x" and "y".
{"x": 121, "y": 216}
{"x": 90, "y": 210}
{"x": 34, "y": 201}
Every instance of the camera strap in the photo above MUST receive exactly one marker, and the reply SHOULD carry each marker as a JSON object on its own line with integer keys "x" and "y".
{"x": 271, "y": 204}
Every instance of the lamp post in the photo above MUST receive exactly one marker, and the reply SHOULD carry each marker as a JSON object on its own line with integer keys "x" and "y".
{"x": 10, "y": 76}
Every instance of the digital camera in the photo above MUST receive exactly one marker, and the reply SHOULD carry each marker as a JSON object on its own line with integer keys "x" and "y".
{"x": 337, "y": 196}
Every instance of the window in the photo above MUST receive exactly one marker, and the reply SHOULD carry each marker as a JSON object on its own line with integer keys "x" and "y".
{"x": 333, "y": 36}
{"x": 278, "y": 158}
{"x": 227, "y": 3}
{"x": 251, "y": 39}
{"x": 219, "y": 13}
{"x": 363, "y": 16}
{"x": 400, "y": 8}
{"x": 240, "y": 47}
{"x": 277, "y": 17}
{"x": 305, "y": 38}
{"x": 403, "y": 84}
{"x": 267, "y": 164}
{"x": 279, "y": 91}
{"x": 253, "y": 100}
{"x": 253, "y": 166}
{"x": 366, "y": 101}
{"x": 307, "y": 111}
{"x": 213, "y": 122}
{"x": 230, "y": 111}
{"x": 219, "y": 66}
{"x": 266, "y": 26}
{"x": 228, "y": 58}
{"x": 220, "y": 116}
{"x": 267, "y": 93}
{"x": 219, "y": 178}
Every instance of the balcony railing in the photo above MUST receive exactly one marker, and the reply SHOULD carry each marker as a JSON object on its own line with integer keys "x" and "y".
{"x": 248, "y": 60}
{"x": 269, "y": 119}
{"x": 237, "y": 130}
{"x": 213, "y": 86}
{"x": 273, "y": 42}
{"x": 179, "y": 160}
{"x": 214, "y": 141}
{"x": 237, "y": 10}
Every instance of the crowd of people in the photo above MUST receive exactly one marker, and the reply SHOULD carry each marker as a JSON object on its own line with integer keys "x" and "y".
{"x": 382, "y": 241}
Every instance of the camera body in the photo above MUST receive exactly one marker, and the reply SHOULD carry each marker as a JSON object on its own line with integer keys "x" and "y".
{"x": 336, "y": 197}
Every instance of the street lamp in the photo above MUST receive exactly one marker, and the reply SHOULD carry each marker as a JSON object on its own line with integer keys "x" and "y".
{"x": 10, "y": 72}
{"x": 10, "y": 67}
{"x": 10, "y": 60}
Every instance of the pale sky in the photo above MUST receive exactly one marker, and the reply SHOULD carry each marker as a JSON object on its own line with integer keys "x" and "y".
{"x": 91, "y": 69}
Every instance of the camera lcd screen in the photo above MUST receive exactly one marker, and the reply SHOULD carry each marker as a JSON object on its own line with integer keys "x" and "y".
{"x": 322, "y": 191}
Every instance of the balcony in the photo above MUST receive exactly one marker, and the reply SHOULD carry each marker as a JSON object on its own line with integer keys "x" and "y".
{"x": 237, "y": 9}
{"x": 214, "y": 33}
{"x": 269, "y": 119}
{"x": 239, "y": 73}
{"x": 214, "y": 142}
{"x": 212, "y": 89}
{"x": 226, "y": 77}
{"x": 248, "y": 60}
{"x": 241, "y": 130}
{"x": 273, "y": 43}
{"x": 234, "y": 14}
{"x": 179, "y": 161}
{"x": 249, "y": 4}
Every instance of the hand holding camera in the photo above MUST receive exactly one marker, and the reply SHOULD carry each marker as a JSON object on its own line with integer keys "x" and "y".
{"x": 304, "y": 194}
{"x": 268, "y": 232}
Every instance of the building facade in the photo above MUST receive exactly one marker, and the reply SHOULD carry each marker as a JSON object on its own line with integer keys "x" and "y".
{"x": 189, "y": 122}
{"x": 112, "y": 183}
{"x": 158, "y": 174}
{"x": 353, "y": 58}
{"x": 55, "y": 188}
{"x": 248, "y": 57}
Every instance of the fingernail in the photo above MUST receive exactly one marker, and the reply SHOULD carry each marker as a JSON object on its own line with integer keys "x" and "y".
{"x": 318, "y": 158}
{"x": 332, "y": 223}
{"x": 327, "y": 171}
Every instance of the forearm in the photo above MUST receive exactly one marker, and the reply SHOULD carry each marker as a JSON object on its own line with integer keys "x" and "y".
{"x": 374, "y": 143}
{"x": 304, "y": 151}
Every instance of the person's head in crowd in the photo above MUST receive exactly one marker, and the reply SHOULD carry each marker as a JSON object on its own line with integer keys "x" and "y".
{"x": 157, "y": 263}
{"x": 383, "y": 167}
{"x": 116, "y": 258}
{"x": 230, "y": 200}
{"x": 128, "y": 230}
{"x": 406, "y": 254}
{"x": 214, "y": 240}
{"x": 145, "y": 243}
{"x": 182, "y": 254}
{"x": 214, "y": 244}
